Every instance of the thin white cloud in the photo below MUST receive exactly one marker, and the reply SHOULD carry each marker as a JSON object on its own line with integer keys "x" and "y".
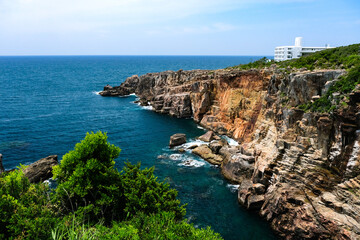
{"x": 83, "y": 15}
{"x": 198, "y": 29}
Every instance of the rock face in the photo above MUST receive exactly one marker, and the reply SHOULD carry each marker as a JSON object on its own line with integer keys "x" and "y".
{"x": 300, "y": 170}
{"x": 177, "y": 139}
{"x": 207, "y": 137}
{"x": 41, "y": 169}
{"x": 1, "y": 164}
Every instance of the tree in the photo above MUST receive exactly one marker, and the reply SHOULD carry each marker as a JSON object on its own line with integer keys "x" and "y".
{"x": 88, "y": 183}
{"x": 144, "y": 193}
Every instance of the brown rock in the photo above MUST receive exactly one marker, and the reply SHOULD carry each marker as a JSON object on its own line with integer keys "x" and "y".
{"x": 177, "y": 139}
{"x": 236, "y": 166}
{"x": 205, "y": 152}
{"x": 254, "y": 202}
{"x": 216, "y": 146}
{"x": 207, "y": 137}
{"x": 244, "y": 191}
{"x": 259, "y": 188}
{"x": 41, "y": 170}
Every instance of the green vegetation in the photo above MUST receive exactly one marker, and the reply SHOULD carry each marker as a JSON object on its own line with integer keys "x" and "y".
{"x": 88, "y": 183}
{"x": 340, "y": 57}
{"x": 344, "y": 86}
{"x": 93, "y": 201}
{"x": 261, "y": 63}
{"x": 347, "y": 58}
{"x": 25, "y": 212}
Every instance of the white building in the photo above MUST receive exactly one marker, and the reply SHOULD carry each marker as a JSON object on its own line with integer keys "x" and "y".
{"x": 289, "y": 52}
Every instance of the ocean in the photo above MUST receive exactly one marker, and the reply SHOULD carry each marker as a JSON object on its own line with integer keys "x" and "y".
{"x": 48, "y": 103}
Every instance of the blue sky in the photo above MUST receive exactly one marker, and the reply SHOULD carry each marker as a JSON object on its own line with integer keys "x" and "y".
{"x": 173, "y": 27}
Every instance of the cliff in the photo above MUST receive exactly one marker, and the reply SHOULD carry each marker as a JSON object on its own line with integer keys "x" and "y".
{"x": 299, "y": 169}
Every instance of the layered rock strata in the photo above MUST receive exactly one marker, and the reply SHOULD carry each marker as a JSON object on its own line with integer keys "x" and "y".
{"x": 299, "y": 169}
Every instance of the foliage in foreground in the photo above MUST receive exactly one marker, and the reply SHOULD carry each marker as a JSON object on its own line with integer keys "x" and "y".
{"x": 162, "y": 225}
{"x": 94, "y": 201}
{"x": 25, "y": 212}
{"x": 88, "y": 183}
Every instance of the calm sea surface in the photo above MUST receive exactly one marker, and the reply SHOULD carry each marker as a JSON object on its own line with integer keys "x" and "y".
{"x": 47, "y": 104}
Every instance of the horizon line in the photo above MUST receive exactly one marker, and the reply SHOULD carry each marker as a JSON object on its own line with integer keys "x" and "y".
{"x": 130, "y": 55}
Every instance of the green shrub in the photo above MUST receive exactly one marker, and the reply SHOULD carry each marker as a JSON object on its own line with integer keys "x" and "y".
{"x": 25, "y": 212}
{"x": 261, "y": 63}
{"x": 73, "y": 230}
{"x": 88, "y": 183}
{"x": 93, "y": 201}
{"x": 344, "y": 86}
{"x": 164, "y": 225}
{"x": 144, "y": 193}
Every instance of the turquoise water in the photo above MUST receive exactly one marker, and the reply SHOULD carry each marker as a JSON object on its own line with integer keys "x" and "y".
{"x": 47, "y": 104}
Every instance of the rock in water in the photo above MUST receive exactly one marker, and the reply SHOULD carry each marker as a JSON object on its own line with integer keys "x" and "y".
{"x": 41, "y": 169}
{"x": 205, "y": 152}
{"x": 207, "y": 137}
{"x": 177, "y": 139}
{"x": 1, "y": 165}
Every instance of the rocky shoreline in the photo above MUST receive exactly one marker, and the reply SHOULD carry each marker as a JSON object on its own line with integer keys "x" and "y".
{"x": 38, "y": 171}
{"x": 299, "y": 170}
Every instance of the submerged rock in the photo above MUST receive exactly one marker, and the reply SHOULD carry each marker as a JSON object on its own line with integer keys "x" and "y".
{"x": 41, "y": 170}
{"x": 177, "y": 139}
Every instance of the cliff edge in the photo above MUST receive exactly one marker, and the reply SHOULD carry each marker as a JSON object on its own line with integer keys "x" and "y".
{"x": 298, "y": 162}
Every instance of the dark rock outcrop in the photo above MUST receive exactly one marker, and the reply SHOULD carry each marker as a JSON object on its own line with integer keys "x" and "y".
{"x": 41, "y": 170}
{"x": 177, "y": 139}
{"x": 1, "y": 164}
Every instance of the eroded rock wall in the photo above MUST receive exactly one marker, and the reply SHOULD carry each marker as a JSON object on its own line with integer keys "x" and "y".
{"x": 300, "y": 170}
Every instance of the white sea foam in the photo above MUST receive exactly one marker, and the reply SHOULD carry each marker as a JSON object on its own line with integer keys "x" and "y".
{"x": 191, "y": 163}
{"x": 50, "y": 182}
{"x": 192, "y": 143}
{"x": 231, "y": 141}
{"x": 147, "y": 107}
{"x": 131, "y": 94}
{"x": 176, "y": 156}
{"x": 96, "y": 92}
{"x": 233, "y": 187}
